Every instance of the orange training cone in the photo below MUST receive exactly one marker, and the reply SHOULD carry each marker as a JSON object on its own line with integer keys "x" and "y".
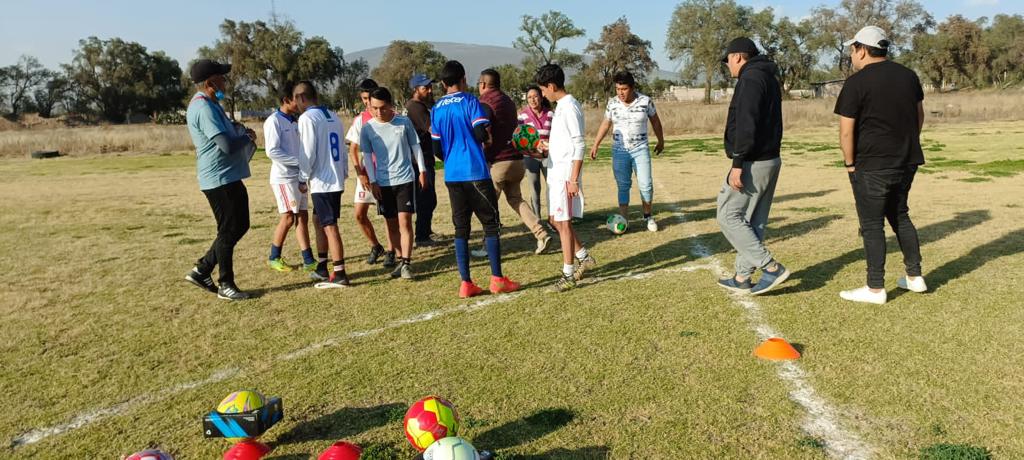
{"x": 776, "y": 349}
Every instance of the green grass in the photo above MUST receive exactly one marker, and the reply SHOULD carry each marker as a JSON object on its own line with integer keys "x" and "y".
{"x": 96, "y": 314}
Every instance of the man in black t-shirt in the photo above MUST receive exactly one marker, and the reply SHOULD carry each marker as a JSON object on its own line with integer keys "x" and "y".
{"x": 881, "y": 116}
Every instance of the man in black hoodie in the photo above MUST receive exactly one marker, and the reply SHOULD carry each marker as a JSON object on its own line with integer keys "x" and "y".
{"x": 753, "y": 137}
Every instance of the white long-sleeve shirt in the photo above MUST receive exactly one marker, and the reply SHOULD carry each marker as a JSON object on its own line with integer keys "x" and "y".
{"x": 320, "y": 132}
{"x": 389, "y": 150}
{"x": 566, "y": 143}
{"x": 284, "y": 149}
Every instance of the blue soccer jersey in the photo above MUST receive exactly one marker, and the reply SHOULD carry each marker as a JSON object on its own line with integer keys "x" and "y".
{"x": 451, "y": 122}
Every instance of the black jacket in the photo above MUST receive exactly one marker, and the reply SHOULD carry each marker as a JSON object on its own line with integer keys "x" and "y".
{"x": 753, "y": 131}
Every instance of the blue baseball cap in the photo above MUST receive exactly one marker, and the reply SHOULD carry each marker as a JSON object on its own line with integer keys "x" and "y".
{"x": 418, "y": 80}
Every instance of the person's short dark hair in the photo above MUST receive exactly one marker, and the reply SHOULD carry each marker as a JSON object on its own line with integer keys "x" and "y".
{"x": 544, "y": 102}
{"x": 873, "y": 51}
{"x": 495, "y": 77}
{"x": 624, "y": 78}
{"x": 550, "y": 73}
{"x": 452, "y": 73}
{"x": 285, "y": 93}
{"x": 367, "y": 85}
{"x": 306, "y": 88}
{"x": 382, "y": 94}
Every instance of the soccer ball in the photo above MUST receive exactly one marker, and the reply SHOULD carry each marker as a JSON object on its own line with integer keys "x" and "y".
{"x": 453, "y": 448}
{"x": 150, "y": 454}
{"x": 342, "y": 450}
{"x": 525, "y": 138}
{"x": 430, "y": 419}
{"x": 617, "y": 224}
{"x": 240, "y": 402}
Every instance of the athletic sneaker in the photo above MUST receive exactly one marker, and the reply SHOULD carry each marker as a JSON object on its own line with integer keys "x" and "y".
{"x": 652, "y": 226}
{"x": 337, "y": 280}
{"x": 228, "y": 291}
{"x": 503, "y": 284}
{"x": 406, "y": 270}
{"x": 426, "y": 242}
{"x": 389, "y": 259}
{"x": 279, "y": 264}
{"x": 542, "y": 244}
{"x": 310, "y": 267}
{"x": 864, "y": 294}
{"x": 319, "y": 272}
{"x": 565, "y": 283}
{"x": 582, "y": 266}
{"x": 201, "y": 280}
{"x": 375, "y": 254}
{"x": 770, "y": 280}
{"x": 913, "y": 285}
{"x": 467, "y": 289}
{"x": 479, "y": 253}
{"x": 731, "y": 284}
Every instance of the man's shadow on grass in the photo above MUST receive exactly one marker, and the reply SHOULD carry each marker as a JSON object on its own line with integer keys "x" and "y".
{"x": 344, "y": 423}
{"x": 531, "y": 428}
{"x": 817, "y": 275}
{"x": 1007, "y": 245}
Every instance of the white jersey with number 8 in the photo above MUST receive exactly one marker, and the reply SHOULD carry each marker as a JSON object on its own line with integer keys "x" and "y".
{"x": 320, "y": 131}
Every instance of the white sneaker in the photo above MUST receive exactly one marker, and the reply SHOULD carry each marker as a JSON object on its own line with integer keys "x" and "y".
{"x": 479, "y": 253}
{"x": 652, "y": 225}
{"x": 864, "y": 294}
{"x": 542, "y": 244}
{"x": 913, "y": 285}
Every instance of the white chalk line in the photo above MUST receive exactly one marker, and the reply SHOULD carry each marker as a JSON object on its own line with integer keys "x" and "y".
{"x": 822, "y": 420}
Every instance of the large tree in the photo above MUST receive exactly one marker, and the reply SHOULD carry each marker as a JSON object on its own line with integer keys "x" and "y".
{"x": 540, "y": 40}
{"x": 402, "y": 59}
{"x": 119, "y": 78}
{"x": 618, "y": 49}
{"x": 697, "y": 35}
{"x": 901, "y": 19}
{"x": 20, "y": 81}
{"x": 49, "y": 94}
{"x": 1005, "y": 40}
{"x": 266, "y": 55}
{"x": 788, "y": 44}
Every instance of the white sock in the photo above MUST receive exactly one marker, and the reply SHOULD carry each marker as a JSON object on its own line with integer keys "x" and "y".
{"x": 582, "y": 254}
{"x": 568, "y": 269}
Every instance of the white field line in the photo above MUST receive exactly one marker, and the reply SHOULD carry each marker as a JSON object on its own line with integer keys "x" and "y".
{"x": 822, "y": 420}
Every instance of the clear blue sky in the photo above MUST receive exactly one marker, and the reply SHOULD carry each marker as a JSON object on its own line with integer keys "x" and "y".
{"x": 50, "y": 29}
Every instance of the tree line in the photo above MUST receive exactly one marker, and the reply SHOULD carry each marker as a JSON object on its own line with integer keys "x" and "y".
{"x": 115, "y": 80}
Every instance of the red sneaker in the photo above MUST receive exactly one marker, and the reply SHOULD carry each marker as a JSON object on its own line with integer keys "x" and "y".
{"x": 468, "y": 289}
{"x": 503, "y": 284}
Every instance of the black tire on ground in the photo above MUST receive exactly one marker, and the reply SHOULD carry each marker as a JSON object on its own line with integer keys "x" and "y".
{"x": 45, "y": 154}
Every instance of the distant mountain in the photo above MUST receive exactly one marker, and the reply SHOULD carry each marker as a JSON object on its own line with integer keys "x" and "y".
{"x": 476, "y": 58}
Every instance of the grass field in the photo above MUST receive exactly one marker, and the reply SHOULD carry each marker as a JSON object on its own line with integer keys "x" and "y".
{"x": 105, "y": 350}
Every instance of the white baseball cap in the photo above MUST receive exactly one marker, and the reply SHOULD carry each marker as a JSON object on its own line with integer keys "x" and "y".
{"x": 871, "y": 36}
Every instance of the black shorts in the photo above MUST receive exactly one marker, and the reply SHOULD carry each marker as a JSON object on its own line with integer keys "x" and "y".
{"x": 397, "y": 198}
{"x": 327, "y": 207}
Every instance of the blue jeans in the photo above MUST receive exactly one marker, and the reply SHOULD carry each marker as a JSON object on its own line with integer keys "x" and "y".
{"x": 627, "y": 162}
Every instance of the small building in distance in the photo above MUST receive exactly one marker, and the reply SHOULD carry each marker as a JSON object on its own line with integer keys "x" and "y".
{"x": 829, "y": 88}
{"x": 687, "y": 94}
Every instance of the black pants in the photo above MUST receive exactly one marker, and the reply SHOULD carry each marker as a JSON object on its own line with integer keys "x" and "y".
{"x": 230, "y": 204}
{"x": 476, "y": 197}
{"x": 426, "y": 203}
{"x": 882, "y": 195}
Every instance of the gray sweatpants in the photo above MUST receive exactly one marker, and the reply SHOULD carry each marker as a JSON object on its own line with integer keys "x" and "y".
{"x": 743, "y": 215}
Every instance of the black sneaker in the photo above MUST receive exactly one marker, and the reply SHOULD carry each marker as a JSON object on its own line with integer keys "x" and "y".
{"x": 389, "y": 259}
{"x": 320, "y": 274}
{"x": 201, "y": 280}
{"x": 228, "y": 291}
{"x": 426, "y": 242}
{"x": 375, "y": 254}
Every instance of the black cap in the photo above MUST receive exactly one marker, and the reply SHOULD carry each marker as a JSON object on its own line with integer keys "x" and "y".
{"x": 205, "y": 68}
{"x": 741, "y": 45}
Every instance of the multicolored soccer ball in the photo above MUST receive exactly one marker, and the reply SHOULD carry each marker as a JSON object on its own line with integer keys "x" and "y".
{"x": 240, "y": 402}
{"x": 150, "y": 454}
{"x": 451, "y": 448}
{"x": 525, "y": 138}
{"x": 617, "y": 224}
{"x": 430, "y": 419}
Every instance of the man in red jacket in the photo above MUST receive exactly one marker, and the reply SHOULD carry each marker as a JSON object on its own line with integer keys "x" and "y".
{"x": 507, "y": 170}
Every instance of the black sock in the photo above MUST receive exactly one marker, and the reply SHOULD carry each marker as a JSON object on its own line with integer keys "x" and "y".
{"x": 647, "y": 215}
